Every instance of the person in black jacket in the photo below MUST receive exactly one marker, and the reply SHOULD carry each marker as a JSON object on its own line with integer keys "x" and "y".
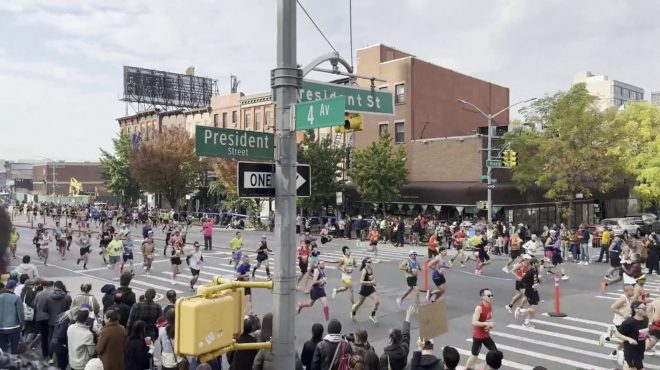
{"x": 136, "y": 349}
{"x": 450, "y": 357}
{"x": 240, "y": 360}
{"x": 363, "y": 348}
{"x": 325, "y": 350}
{"x": 108, "y": 299}
{"x": 423, "y": 358}
{"x": 395, "y": 355}
{"x": 121, "y": 308}
{"x": 310, "y": 345}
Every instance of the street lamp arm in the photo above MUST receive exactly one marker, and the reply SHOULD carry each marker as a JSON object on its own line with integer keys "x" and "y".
{"x": 473, "y": 106}
{"x": 511, "y": 106}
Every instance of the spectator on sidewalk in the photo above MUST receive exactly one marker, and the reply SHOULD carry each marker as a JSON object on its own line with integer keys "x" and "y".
{"x": 264, "y": 359}
{"x": 125, "y": 290}
{"x": 27, "y": 268}
{"x": 108, "y": 299}
{"x": 122, "y": 309}
{"x": 110, "y": 347}
{"x": 395, "y": 355}
{"x": 363, "y": 348}
{"x": 146, "y": 311}
{"x": 136, "y": 349}
{"x": 423, "y": 358}
{"x": 41, "y": 315}
{"x": 21, "y": 284}
{"x": 239, "y": 360}
{"x": 493, "y": 360}
{"x": 326, "y": 349}
{"x": 85, "y": 297}
{"x": 310, "y": 345}
{"x": 451, "y": 358}
{"x": 80, "y": 342}
{"x": 11, "y": 319}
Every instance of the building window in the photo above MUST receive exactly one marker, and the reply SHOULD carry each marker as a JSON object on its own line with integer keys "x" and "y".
{"x": 257, "y": 121}
{"x": 617, "y": 90}
{"x": 400, "y": 94}
{"x": 215, "y": 120}
{"x": 399, "y": 132}
{"x": 248, "y": 121}
{"x": 224, "y": 119}
{"x": 382, "y": 128}
{"x": 234, "y": 116}
{"x": 269, "y": 119}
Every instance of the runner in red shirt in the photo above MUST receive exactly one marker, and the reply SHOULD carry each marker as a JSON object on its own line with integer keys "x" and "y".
{"x": 459, "y": 237}
{"x": 519, "y": 270}
{"x": 303, "y": 259}
{"x": 482, "y": 322}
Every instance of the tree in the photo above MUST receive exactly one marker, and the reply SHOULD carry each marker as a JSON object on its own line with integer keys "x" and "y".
{"x": 325, "y": 163}
{"x": 379, "y": 171}
{"x": 226, "y": 186}
{"x": 115, "y": 170}
{"x": 638, "y": 144}
{"x": 168, "y": 165}
{"x": 570, "y": 155}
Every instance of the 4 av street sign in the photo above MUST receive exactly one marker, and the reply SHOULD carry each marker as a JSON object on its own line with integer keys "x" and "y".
{"x": 257, "y": 180}
{"x": 320, "y": 113}
{"x": 358, "y": 100}
{"x": 237, "y": 144}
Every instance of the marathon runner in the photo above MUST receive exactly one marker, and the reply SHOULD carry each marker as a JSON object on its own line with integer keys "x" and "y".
{"x": 374, "y": 236}
{"x": 433, "y": 245}
{"x": 243, "y": 274}
{"x": 318, "y": 291}
{"x": 236, "y": 244}
{"x": 367, "y": 290}
{"x": 14, "y": 236}
{"x": 106, "y": 238}
{"x": 411, "y": 268}
{"x": 175, "y": 260}
{"x": 633, "y": 332}
{"x": 303, "y": 260}
{"x": 115, "y": 250}
{"x": 519, "y": 270}
{"x": 621, "y": 310}
{"x": 618, "y": 250}
{"x": 458, "y": 238}
{"x": 346, "y": 266}
{"x": 438, "y": 265}
{"x": 194, "y": 261}
{"x": 482, "y": 322}
{"x": 262, "y": 256}
{"x": 483, "y": 258}
{"x": 85, "y": 248}
{"x": 531, "y": 283}
{"x": 128, "y": 253}
{"x": 514, "y": 251}
{"x": 148, "y": 252}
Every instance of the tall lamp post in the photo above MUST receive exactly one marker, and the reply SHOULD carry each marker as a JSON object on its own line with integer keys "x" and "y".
{"x": 53, "y": 175}
{"x": 489, "y": 169}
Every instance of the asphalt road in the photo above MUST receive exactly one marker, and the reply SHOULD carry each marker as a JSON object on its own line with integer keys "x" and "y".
{"x": 556, "y": 343}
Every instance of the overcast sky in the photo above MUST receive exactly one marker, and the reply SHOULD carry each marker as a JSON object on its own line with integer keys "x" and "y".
{"x": 61, "y": 60}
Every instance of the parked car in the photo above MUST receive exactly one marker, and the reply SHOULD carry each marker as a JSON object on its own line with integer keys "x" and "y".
{"x": 644, "y": 220}
{"x": 622, "y": 225}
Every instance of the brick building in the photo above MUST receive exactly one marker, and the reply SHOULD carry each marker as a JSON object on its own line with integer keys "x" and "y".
{"x": 55, "y": 177}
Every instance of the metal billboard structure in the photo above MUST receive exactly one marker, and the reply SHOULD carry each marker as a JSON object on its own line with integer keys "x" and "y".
{"x": 150, "y": 89}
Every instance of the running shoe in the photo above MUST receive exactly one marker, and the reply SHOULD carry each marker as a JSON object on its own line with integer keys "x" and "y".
{"x": 373, "y": 319}
{"x": 508, "y": 308}
{"x": 352, "y": 317}
{"x": 462, "y": 264}
{"x": 564, "y": 277}
{"x": 506, "y": 270}
{"x": 613, "y": 355}
{"x": 608, "y": 277}
{"x": 603, "y": 286}
{"x": 299, "y": 309}
{"x": 428, "y": 295}
{"x": 610, "y": 331}
{"x": 334, "y": 293}
{"x": 398, "y": 302}
{"x": 529, "y": 325}
{"x": 516, "y": 313}
{"x": 601, "y": 339}
{"x": 353, "y": 307}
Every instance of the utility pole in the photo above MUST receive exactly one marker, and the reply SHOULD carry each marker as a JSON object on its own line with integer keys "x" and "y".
{"x": 286, "y": 79}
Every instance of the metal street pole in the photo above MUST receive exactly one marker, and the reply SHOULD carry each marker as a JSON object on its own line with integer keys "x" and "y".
{"x": 286, "y": 78}
{"x": 489, "y": 169}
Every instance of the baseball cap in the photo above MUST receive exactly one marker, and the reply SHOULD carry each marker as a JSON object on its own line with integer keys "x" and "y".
{"x": 11, "y": 284}
{"x": 412, "y": 252}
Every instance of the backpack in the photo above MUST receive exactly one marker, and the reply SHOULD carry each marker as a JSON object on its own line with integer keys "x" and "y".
{"x": 343, "y": 361}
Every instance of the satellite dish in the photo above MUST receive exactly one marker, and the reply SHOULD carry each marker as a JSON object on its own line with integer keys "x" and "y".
{"x": 190, "y": 71}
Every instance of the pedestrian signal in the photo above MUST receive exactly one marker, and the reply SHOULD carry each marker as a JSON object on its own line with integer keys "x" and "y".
{"x": 203, "y": 325}
{"x": 353, "y": 122}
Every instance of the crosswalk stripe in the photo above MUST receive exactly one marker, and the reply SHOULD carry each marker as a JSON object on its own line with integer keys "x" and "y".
{"x": 570, "y": 327}
{"x": 605, "y": 297}
{"x": 505, "y": 362}
{"x": 150, "y": 285}
{"x": 357, "y": 256}
{"x": 169, "y": 281}
{"x": 560, "y": 335}
{"x": 584, "y": 321}
{"x": 544, "y": 356}
{"x": 186, "y": 277}
{"x": 551, "y": 345}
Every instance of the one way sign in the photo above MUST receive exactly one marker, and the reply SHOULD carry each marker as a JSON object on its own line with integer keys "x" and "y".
{"x": 257, "y": 180}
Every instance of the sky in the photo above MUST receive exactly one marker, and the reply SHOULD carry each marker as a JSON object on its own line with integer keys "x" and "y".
{"x": 61, "y": 61}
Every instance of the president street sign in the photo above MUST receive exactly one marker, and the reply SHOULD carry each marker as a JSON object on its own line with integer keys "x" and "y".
{"x": 257, "y": 180}
{"x": 320, "y": 113}
{"x": 237, "y": 144}
{"x": 358, "y": 100}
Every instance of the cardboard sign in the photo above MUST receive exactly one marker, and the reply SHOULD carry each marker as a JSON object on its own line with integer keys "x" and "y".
{"x": 433, "y": 319}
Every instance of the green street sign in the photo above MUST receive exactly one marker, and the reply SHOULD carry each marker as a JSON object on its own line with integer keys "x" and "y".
{"x": 495, "y": 164}
{"x": 320, "y": 113}
{"x": 238, "y": 144}
{"x": 358, "y": 100}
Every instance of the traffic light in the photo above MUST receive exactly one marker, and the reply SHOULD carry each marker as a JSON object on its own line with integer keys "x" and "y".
{"x": 202, "y": 325}
{"x": 513, "y": 158}
{"x": 353, "y": 122}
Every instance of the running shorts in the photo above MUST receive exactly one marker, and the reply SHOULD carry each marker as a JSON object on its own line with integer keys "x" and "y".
{"x": 519, "y": 285}
{"x": 438, "y": 278}
{"x": 248, "y": 291}
{"x": 261, "y": 257}
{"x": 175, "y": 260}
{"x": 373, "y": 243}
{"x": 366, "y": 290}
{"x": 194, "y": 272}
{"x": 477, "y": 343}
{"x": 303, "y": 267}
{"x": 532, "y": 296}
{"x": 615, "y": 260}
{"x": 432, "y": 253}
{"x": 634, "y": 358}
{"x": 113, "y": 259}
{"x": 515, "y": 254}
{"x": 127, "y": 256}
{"x": 346, "y": 279}
{"x": 316, "y": 293}
{"x": 483, "y": 256}
{"x": 84, "y": 251}
{"x": 412, "y": 281}
{"x": 556, "y": 259}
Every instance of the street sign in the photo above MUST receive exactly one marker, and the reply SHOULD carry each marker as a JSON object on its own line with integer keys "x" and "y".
{"x": 490, "y": 186}
{"x": 320, "y": 113}
{"x": 237, "y": 144}
{"x": 495, "y": 163}
{"x": 357, "y": 99}
{"x": 482, "y": 204}
{"x": 257, "y": 180}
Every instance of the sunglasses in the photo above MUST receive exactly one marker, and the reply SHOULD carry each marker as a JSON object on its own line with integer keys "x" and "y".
{"x": 489, "y": 295}
{"x": 368, "y": 261}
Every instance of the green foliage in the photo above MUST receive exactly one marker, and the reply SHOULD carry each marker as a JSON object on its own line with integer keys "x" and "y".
{"x": 225, "y": 186}
{"x": 325, "y": 162}
{"x": 115, "y": 170}
{"x": 638, "y": 144}
{"x": 379, "y": 171}
{"x": 570, "y": 155}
